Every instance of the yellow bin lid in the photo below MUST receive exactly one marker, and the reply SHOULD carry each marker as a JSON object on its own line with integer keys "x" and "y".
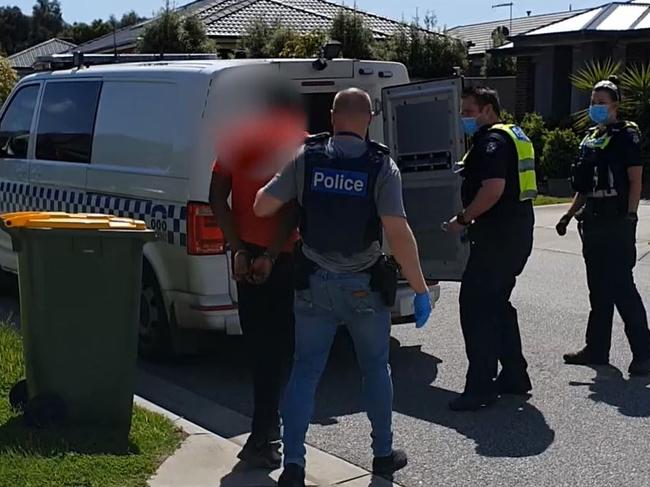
{"x": 77, "y": 221}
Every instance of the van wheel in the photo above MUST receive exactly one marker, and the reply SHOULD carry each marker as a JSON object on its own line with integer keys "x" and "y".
{"x": 154, "y": 337}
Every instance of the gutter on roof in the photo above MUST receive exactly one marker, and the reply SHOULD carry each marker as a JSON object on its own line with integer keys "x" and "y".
{"x": 584, "y": 36}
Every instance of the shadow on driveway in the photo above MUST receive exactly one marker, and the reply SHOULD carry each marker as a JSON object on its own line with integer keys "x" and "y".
{"x": 631, "y": 396}
{"x": 511, "y": 428}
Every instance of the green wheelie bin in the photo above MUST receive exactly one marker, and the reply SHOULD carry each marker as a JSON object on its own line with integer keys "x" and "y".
{"x": 80, "y": 281}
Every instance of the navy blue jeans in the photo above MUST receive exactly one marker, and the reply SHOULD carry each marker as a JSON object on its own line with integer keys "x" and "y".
{"x": 332, "y": 300}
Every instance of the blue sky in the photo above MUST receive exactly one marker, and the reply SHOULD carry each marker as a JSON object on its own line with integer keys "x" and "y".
{"x": 449, "y": 13}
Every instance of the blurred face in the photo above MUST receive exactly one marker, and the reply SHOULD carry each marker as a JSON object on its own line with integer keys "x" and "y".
{"x": 604, "y": 108}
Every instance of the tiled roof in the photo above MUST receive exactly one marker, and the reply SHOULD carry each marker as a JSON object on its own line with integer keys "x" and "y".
{"x": 481, "y": 34}
{"x": 25, "y": 59}
{"x": 612, "y": 17}
{"x": 125, "y": 37}
{"x": 231, "y": 18}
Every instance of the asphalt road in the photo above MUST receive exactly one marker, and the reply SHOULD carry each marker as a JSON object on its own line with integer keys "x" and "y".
{"x": 581, "y": 427}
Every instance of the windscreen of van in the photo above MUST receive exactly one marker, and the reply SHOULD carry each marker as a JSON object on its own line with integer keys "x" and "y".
{"x": 318, "y": 106}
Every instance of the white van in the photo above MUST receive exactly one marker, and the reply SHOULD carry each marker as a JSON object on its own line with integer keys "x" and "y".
{"x": 134, "y": 140}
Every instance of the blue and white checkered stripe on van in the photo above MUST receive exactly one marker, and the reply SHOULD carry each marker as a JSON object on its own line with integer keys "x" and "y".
{"x": 169, "y": 220}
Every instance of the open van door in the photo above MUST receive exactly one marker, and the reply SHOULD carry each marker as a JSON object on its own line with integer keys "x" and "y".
{"x": 422, "y": 128}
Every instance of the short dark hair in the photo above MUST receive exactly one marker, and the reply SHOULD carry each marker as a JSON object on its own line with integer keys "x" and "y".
{"x": 483, "y": 96}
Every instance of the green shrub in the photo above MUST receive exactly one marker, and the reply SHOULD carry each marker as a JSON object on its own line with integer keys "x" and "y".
{"x": 507, "y": 117}
{"x": 560, "y": 151}
{"x": 534, "y": 127}
{"x": 8, "y": 79}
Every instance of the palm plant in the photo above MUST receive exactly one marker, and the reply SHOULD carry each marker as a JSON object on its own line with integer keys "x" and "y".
{"x": 585, "y": 78}
{"x": 634, "y": 85}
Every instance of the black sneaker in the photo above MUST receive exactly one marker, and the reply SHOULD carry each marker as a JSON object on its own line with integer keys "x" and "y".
{"x": 292, "y": 476}
{"x": 517, "y": 387}
{"x": 472, "y": 402}
{"x": 387, "y": 466}
{"x": 640, "y": 367}
{"x": 261, "y": 455}
{"x": 584, "y": 357}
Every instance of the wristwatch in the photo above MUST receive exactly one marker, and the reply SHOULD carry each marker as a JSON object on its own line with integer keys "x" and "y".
{"x": 460, "y": 218}
{"x": 632, "y": 216}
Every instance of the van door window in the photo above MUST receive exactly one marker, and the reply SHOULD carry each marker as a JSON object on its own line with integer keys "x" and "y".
{"x": 16, "y": 123}
{"x": 67, "y": 121}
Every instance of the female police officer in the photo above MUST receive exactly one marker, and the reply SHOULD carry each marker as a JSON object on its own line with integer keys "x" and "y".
{"x": 607, "y": 180}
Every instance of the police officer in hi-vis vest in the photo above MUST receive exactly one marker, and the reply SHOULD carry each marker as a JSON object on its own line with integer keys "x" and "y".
{"x": 348, "y": 189}
{"x": 498, "y": 187}
{"x": 607, "y": 178}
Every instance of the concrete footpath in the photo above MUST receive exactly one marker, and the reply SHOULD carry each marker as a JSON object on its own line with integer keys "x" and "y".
{"x": 208, "y": 459}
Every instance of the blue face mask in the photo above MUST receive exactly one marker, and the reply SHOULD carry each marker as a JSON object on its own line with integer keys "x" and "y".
{"x": 470, "y": 125}
{"x": 599, "y": 114}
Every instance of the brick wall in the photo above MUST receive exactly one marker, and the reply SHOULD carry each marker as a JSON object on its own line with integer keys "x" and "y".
{"x": 525, "y": 86}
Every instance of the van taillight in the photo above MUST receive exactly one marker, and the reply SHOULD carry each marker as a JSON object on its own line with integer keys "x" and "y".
{"x": 204, "y": 237}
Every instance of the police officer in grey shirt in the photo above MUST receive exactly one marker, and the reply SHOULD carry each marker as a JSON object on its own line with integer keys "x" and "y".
{"x": 387, "y": 194}
{"x": 349, "y": 191}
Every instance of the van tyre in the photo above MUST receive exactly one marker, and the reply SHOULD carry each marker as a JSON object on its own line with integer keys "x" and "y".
{"x": 154, "y": 336}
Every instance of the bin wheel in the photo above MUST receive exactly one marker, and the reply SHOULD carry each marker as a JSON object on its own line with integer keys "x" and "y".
{"x": 8, "y": 284}
{"x": 154, "y": 341}
{"x": 18, "y": 395}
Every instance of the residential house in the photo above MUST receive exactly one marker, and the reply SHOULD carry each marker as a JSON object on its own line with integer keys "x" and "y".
{"x": 226, "y": 21}
{"x": 23, "y": 61}
{"x": 548, "y": 55}
{"x": 479, "y": 37}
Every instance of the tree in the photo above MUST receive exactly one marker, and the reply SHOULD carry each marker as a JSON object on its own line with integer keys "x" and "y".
{"x": 264, "y": 40}
{"x": 171, "y": 33}
{"x": 193, "y": 37}
{"x": 304, "y": 46}
{"x": 130, "y": 18}
{"x": 14, "y": 30}
{"x": 357, "y": 40}
{"x": 47, "y": 21}
{"x": 80, "y": 32}
{"x": 8, "y": 78}
{"x": 426, "y": 53}
{"x": 256, "y": 38}
{"x": 498, "y": 65}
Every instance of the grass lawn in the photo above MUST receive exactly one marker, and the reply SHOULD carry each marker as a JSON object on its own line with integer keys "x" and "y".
{"x": 543, "y": 200}
{"x": 39, "y": 458}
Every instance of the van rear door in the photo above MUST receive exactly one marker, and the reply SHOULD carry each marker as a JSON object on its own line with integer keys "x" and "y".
{"x": 422, "y": 127}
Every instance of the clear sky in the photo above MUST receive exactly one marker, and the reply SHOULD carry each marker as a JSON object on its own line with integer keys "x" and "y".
{"x": 449, "y": 12}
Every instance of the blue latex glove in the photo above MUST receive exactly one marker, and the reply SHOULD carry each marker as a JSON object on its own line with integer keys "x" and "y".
{"x": 422, "y": 307}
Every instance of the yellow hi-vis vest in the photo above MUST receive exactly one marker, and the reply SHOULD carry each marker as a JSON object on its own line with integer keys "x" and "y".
{"x": 526, "y": 157}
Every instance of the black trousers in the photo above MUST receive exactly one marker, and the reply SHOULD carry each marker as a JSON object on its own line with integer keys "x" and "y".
{"x": 608, "y": 247}
{"x": 267, "y": 321}
{"x": 498, "y": 254}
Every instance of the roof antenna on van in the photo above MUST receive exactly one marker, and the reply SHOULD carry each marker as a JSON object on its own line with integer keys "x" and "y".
{"x": 328, "y": 51}
{"x": 78, "y": 59}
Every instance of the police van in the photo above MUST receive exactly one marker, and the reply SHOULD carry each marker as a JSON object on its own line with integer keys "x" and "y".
{"x": 135, "y": 140}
